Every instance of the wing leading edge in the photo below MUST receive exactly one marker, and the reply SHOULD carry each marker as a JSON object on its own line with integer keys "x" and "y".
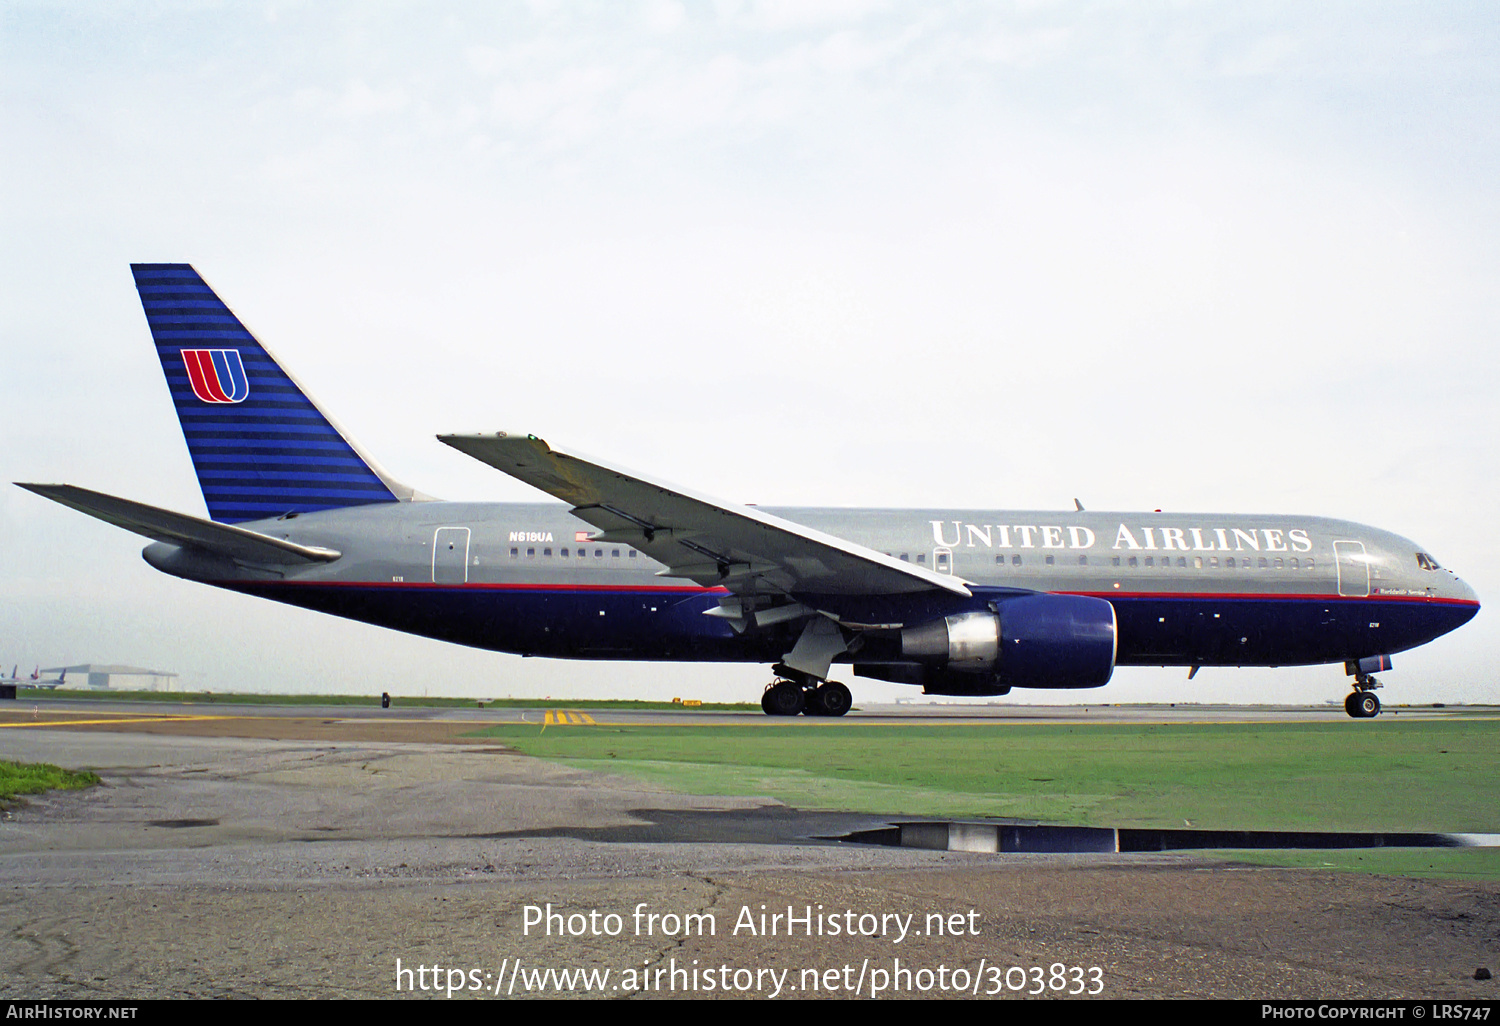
{"x": 703, "y": 539}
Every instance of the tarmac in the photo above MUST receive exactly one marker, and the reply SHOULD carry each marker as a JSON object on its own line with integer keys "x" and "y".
{"x": 253, "y": 851}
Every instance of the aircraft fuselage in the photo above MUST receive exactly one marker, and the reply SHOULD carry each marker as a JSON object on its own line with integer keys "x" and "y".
{"x": 1187, "y": 589}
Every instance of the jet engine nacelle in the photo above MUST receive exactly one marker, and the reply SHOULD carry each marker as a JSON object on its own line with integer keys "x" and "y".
{"x": 1035, "y": 641}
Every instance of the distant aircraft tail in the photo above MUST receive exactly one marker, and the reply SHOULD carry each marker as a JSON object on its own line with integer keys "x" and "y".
{"x": 262, "y": 448}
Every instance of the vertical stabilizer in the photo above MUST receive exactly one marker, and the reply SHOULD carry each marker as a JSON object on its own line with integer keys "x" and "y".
{"x": 262, "y": 448}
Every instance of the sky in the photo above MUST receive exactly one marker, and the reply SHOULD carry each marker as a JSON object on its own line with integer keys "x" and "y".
{"x": 1219, "y": 257}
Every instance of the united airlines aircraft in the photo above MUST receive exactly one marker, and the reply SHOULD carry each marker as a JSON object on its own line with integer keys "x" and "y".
{"x": 957, "y": 602}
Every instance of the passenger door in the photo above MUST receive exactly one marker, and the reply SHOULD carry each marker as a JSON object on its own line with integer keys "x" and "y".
{"x": 450, "y": 555}
{"x": 1353, "y": 568}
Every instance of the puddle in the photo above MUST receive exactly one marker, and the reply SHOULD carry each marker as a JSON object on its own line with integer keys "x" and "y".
{"x": 1042, "y": 838}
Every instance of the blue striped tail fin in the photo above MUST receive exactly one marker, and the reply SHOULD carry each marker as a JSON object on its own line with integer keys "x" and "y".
{"x": 261, "y": 447}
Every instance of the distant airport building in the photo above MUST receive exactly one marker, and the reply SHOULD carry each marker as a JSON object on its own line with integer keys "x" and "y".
{"x": 100, "y": 677}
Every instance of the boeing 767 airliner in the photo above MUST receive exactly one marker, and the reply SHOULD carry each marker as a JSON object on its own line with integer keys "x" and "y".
{"x": 958, "y": 602}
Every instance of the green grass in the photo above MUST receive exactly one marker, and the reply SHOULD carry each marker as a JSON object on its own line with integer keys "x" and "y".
{"x": 397, "y": 701}
{"x": 18, "y": 778}
{"x": 1430, "y": 863}
{"x": 1381, "y": 775}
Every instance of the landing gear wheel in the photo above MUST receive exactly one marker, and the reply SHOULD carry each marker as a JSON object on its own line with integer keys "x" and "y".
{"x": 769, "y": 710}
{"x": 1363, "y": 704}
{"x": 831, "y": 699}
{"x": 784, "y": 699}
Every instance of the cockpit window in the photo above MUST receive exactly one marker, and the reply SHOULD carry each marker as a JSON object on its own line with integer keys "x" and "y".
{"x": 1426, "y": 562}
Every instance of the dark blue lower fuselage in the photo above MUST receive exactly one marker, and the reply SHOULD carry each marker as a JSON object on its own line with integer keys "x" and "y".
{"x": 668, "y": 622}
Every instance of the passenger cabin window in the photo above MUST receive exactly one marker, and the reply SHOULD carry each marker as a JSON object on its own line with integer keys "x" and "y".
{"x": 921, "y": 557}
{"x": 565, "y": 553}
{"x": 514, "y": 552}
{"x": 1050, "y": 561}
{"x": 1015, "y": 560}
{"x": 1083, "y": 561}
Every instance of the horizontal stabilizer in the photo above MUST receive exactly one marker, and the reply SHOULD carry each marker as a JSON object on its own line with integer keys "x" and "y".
{"x": 180, "y": 529}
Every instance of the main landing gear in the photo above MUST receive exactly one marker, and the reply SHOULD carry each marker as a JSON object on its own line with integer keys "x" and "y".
{"x": 1362, "y": 703}
{"x": 789, "y": 697}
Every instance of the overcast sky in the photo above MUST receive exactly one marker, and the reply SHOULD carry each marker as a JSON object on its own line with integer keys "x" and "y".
{"x": 1209, "y": 257}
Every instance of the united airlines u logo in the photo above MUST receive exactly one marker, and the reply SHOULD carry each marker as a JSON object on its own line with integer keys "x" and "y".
{"x": 217, "y": 375}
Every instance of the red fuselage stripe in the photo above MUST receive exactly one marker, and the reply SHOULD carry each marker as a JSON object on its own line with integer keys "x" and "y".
{"x": 644, "y": 589}
{"x": 1270, "y": 596}
{"x": 679, "y": 589}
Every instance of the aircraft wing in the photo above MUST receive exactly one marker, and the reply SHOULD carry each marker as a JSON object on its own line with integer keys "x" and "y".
{"x": 163, "y": 525}
{"x": 699, "y": 537}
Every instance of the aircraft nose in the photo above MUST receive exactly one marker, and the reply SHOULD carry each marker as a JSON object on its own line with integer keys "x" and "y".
{"x": 1466, "y": 593}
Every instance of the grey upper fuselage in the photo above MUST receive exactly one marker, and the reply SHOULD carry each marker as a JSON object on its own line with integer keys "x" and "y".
{"x": 1032, "y": 550}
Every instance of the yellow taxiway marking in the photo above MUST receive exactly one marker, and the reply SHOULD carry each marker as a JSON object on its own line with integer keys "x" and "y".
{"x": 113, "y": 719}
{"x": 563, "y": 718}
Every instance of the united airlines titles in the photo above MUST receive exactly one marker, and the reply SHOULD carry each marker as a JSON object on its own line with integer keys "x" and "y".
{"x": 1141, "y": 537}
